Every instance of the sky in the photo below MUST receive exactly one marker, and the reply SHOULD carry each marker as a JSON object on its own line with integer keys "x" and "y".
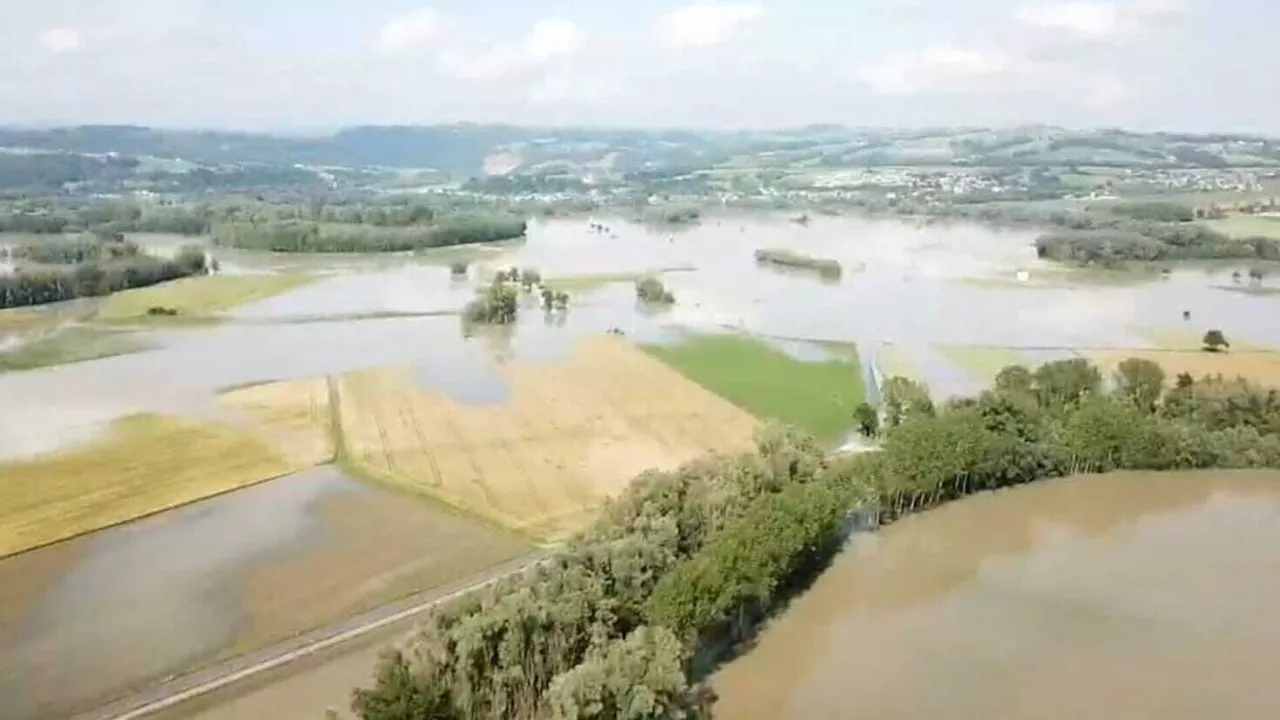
{"x": 1189, "y": 65}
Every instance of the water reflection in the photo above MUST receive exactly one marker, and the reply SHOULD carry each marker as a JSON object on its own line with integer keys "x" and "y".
{"x": 1111, "y": 596}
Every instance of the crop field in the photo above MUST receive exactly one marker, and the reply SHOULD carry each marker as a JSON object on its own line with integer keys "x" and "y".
{"x": 571, "y": 434}
{"x": 143, "y": 464}
{"x": 1243, "y": 226}
{"x": 199, "y": 297}
{"x": 981, "y": 362}
{"x": 816, "y": 396}
{"x": 294, "y": 416}
{"x": 1262, "y": 368}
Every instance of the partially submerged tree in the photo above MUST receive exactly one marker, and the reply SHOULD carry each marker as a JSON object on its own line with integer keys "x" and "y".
{"x": 651, "y": 290}
{"x": 495, "y": 305}
{"x": 1215, "y": 341}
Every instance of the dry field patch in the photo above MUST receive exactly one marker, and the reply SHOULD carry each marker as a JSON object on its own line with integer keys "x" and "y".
{"x": 143, "y": 464}
{"x": 1262, "y": 368}
{"x": 293, "y": 415}
{"x": 571, "y": 434}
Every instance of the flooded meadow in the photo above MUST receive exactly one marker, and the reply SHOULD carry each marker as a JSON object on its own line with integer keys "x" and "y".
{"x": 947, "y": 304}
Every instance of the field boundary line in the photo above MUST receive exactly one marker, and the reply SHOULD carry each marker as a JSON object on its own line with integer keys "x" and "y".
{"x": 325, "y": 638}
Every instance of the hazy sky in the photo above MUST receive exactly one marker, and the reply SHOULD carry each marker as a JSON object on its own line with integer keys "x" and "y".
{"x": 1173, "y": 64}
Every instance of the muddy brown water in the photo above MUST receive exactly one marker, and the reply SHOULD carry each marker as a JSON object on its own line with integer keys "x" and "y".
{"x": 84, "y": 621}
{"x": 1121, "y": 596}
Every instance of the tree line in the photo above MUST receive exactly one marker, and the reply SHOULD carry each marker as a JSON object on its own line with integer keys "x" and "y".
{"x": 92, "y": 278}
{"x": 627, "y": 621}
{"x": 311, "y": 236}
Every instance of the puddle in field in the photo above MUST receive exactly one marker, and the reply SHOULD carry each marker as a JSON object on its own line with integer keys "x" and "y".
{"x": 1135, "y": 595}
{"x": 134, "y": 603}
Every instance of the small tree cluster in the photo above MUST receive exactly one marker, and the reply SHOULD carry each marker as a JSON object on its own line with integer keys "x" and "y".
{"x": 651, "y": 290}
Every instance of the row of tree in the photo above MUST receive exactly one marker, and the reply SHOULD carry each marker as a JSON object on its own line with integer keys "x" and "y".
{"x": 70, "y": 250}
{"x": 309, "y": 236}
{"x": 626, "y": 621}
{"x": 94, "y": 278}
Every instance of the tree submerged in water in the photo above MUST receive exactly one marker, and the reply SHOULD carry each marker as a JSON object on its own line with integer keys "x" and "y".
{"x": 651, "y": 290}
{"x": 495, "y": 305}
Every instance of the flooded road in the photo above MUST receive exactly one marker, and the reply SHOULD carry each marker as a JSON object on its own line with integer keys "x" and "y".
{"x": 1128, "y": 596}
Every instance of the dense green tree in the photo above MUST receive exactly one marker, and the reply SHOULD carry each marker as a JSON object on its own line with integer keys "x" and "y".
{"x": 1063, "y": 383}
{"x": 867, "y": 419}
{"x": 1215, "y": 341}
{"x": 640, "y": 677}
{"x": 904, "y": 398}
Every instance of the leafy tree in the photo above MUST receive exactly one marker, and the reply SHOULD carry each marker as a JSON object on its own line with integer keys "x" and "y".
{"x": 1063, "y": 383}
{"x": 1215, "y": 341}
{"x": 400, "y": 694}
{"x": 1140, "y": 381}
{"x": 640, "y": 677}
{"x": 496, "y": 304}
{"x": 1014, "y": 379}
{"x": 651, "y": 290}
{"x": 904, "y": 398}
{"x": 867, "y": 418}
{"x": 458, "y": 268}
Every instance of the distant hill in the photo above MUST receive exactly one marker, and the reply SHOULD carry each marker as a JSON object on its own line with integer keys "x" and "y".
{"x": 472, "y": 150}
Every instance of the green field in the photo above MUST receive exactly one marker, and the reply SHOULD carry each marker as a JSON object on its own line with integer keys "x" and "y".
{"x": 198, "y": 297}
{"x": 1242, "y": 226}
{"x": 815, "y": 396}
{"x": 71, "y": 345}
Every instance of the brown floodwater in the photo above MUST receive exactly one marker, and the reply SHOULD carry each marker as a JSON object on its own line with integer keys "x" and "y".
{"x": 1131, "y": 595}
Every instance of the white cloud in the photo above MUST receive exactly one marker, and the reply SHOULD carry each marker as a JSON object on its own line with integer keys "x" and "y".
{"x": 61, "y": 40}
{"x": 940, "y": 66}
{"x": 554, "y": 37}
{"x": 1095, "y": 19}
{"x": 414, "y": 28}
{"x": 705, "y": 24}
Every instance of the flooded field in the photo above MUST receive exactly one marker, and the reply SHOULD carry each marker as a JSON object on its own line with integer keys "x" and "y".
{"x": 1127, "y": 595}
{"x": 947, "y": 304}
{"x": 83, "y": 620}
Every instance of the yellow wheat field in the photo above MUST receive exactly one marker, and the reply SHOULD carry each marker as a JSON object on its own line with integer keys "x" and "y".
{"x": 1262, "y": 368}
{"x": 143, "y": 464}
{"x": 571, "y": 434}
{"x": 294, "y": 416}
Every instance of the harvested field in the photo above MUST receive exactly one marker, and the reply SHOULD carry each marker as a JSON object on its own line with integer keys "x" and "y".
{"x": 572, "y": 433}
{"x": 198, "y": 297}
{"x": 1259, "y": 367}
{"x": 983, "y": 363}
{"x": 293, "y": 415}
{"x": 144, "y": 464}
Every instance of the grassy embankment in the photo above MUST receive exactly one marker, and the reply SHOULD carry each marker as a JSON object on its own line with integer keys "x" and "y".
{"x": 71, "y": 345}
{"x": 592, "y": 281}
{"x": 197, "y": 299}
{"x": 816, "y": 396}
{"x": 143, "y": 464}
{"x": 827, "y": 268}
{"x": 571, "y": 434}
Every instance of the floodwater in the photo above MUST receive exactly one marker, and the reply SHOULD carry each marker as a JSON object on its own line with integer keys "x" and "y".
{"x": 180, "y": 573}
{"x": 83, "y": 620}
{"x": 1129, "y": 596}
